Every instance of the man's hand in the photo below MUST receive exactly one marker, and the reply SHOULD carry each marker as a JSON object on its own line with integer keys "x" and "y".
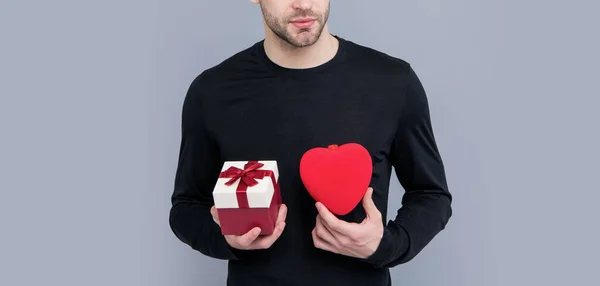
{"x": 251, "y": 239}
{"x": 351, "y": 239}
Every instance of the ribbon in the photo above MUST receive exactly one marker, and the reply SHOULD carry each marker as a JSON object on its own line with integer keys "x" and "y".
{"x": 247, "y": 177}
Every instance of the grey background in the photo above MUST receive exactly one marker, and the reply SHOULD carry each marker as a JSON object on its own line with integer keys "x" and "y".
{"x": 90, "y": 103}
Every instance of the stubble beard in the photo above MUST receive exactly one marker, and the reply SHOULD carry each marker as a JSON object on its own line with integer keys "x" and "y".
{"x": 304, "y": 37}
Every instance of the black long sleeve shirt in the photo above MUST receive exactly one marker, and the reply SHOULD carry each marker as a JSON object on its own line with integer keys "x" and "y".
{"x": 249, "y": 108}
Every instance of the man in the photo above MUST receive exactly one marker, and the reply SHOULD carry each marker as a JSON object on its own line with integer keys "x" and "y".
{"x": 301, "y": 88}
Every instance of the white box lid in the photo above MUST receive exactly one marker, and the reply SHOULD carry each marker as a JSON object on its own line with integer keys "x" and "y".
{"x": 259, "y": 196}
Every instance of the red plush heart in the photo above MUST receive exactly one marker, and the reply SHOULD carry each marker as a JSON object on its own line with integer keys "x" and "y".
{"x": 337, "y": 176}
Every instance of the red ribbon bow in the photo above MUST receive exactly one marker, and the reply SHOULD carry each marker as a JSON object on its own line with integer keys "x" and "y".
{"x": 247, "y": 178}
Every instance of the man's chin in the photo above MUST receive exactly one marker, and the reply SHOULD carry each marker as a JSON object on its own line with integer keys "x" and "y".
{"x": 303, "y": 37}
{"x": 301, "y": 41}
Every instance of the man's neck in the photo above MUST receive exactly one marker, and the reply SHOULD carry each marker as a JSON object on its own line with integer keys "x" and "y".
{"x": 288, "y": 56}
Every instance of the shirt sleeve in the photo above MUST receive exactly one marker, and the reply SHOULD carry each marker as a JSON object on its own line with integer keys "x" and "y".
{"x": 197, "y": 172}
{"x": 426, "y": 203}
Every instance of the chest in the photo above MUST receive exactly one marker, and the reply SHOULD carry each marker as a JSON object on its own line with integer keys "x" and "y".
{"x": 281, "y": 119}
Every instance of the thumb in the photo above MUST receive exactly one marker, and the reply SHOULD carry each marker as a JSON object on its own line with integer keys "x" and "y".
{"x": 369, "y": 204}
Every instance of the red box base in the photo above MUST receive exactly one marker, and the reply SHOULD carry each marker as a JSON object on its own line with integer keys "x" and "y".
{"x": 236, "y": 221}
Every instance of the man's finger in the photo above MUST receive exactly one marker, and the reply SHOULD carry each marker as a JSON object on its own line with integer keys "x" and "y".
{"x": 330, "y": 219}
{"x": 321, "y": 244}
{"x": 249, "y": 237}
{"x": 334, "y": 232}
{"x": 215, "y": 215}
{"x": 281, "y": 216}
{"x": 267, "y": 241}
{"x": 369, "y": 205}
{"x": 325, "y": 233}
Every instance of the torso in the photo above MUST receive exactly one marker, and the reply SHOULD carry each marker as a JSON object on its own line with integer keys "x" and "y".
{"x": 267, "y": 116}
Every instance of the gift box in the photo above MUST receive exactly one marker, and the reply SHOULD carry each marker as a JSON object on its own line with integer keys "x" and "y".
{"x": 247, "y": 195}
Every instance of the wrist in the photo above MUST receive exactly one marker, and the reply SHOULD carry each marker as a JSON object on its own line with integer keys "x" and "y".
{"x": 382, "y": 250}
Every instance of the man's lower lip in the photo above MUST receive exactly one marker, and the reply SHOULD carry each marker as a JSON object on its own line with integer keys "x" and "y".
{"x": 303, "y": 24}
